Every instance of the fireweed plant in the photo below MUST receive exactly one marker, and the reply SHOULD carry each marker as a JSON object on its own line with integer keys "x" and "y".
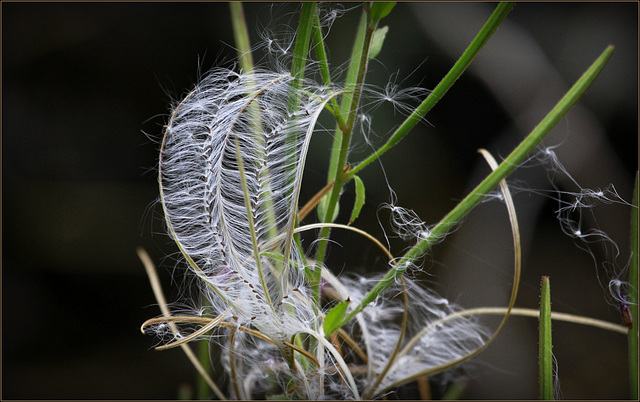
{"x": 230, "y": 174}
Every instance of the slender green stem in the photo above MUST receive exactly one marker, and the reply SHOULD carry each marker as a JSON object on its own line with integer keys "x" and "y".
{"x": 321, "y": 55}
{"x": 545, "y": 357}
{"x": 441, "y": 89}
{"x": 241, "y": 35}
{"x": 342, "y": 158}
{"x": 504, "y": 169}
{"x": 300, "y": 51}
{"x": 350, "y": 84}
{"x": 517, "y": 263}
{"x": 633, "y": 298}
{"x": 204, "y": 391}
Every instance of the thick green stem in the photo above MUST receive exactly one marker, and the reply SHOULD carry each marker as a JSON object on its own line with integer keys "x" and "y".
{"x": 516, "y": 157}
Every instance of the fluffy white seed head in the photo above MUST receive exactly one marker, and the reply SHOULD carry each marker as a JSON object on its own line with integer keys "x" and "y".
{"x": 230, "y": 171}
{"x": 427, "y": 343}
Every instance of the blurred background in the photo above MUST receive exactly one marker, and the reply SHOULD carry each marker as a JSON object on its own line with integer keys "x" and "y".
{"x": 86, "y": 90}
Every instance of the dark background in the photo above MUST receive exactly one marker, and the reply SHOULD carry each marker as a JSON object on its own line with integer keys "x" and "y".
{"x": 85, "y": 92}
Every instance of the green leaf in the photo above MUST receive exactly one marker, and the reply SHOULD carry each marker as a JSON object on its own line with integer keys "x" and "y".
{"x": 545, "y": 357}
{"x": 322, "y": 209}
{"x": 377, "y": 40}
{"x": 381, "y": 9}
{"x": 359, "y": 202}
{"x": 334, "y": 317}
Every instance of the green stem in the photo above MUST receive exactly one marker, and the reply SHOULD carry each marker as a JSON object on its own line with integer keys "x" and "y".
{"x": 204, "y": 391}
{"x": 545, "y": 357}
{"x": 342, "y": 158}
{"x": 350, "y": 84}
{"x": 491, "y": 181}
{"x": 300, "y": 51}
{"x": 245, "y": 60}
{"x": 633, "y": 298}
{"x": 321, "y": 55}
{"x": 241, "y": 35}
{"x": 441, "y": 89}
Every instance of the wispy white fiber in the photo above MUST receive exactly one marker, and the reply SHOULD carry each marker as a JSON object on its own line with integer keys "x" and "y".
{"x": 422, "y": 350}
{"x": 229, "y": 179}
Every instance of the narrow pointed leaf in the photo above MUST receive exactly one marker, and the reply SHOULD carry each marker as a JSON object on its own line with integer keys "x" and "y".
{"x": 381, "y": 9}
{"x": 359, "y": 202}
{"x": 376, "y": 42}
{"x": 334, "y": 316}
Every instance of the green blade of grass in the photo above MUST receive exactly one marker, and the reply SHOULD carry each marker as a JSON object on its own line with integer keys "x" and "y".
{"x": 633, "y": 298}
{"x": 300, "y": 52}
{"x": 490, "y": 182}
{"x": 545, "y": 357}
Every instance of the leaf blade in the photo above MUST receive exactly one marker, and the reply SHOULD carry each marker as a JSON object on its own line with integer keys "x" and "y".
{"x": 379, "y": 36}
{"x": 334, "y": 317}
{"x": 359, "y": 201}
{"x": 381, "y": 9}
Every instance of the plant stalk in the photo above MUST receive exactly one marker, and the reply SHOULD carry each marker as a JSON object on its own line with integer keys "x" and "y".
{"x": 342, "y": 158}
{"x": 516, "y": 157}
{"x": 499, "y": 14}
{"x": 545, "y": 357}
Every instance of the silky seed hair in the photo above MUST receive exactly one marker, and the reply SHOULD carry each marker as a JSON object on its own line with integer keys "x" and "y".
{"x": 230, "y": 168}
